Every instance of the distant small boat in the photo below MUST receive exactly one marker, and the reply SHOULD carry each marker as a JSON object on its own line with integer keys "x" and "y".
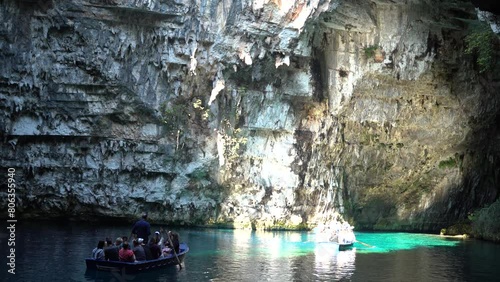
{"x": 345, "y": 246}
{"x": 344, "y": 239}
{"x": 336, "y": 245}
{"x": 139, "y": 266}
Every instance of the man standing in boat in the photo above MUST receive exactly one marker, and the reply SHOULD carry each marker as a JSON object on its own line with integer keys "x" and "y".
{"x": 141, "y": 228}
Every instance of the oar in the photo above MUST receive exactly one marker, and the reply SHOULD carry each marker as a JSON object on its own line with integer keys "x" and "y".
{"x": 173, "y": 249}
{"x": 368, "y": 245}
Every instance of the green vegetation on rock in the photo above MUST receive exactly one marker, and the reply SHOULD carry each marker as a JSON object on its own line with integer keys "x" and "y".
{"x": 481, "y": 41}
{"x": 180, "y": 112}
{"x": 199, "y": 174}
{"x": 175, "y": 117}
{"x": 234, "y": 140}
{"x": 449, "y": 163}
{"x": 370, "y": 50}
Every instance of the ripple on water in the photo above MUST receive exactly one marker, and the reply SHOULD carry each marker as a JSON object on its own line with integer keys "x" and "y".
{"x": 236, "y": 255}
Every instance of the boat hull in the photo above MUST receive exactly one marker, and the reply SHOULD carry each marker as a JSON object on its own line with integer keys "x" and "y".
{"x": 134, "y": 267}
{"x": 345, "y": 246}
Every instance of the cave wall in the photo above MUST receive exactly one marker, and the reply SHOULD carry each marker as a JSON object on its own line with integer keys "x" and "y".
{"x": 408, "y": 116}
{"x": 263, "y": 114}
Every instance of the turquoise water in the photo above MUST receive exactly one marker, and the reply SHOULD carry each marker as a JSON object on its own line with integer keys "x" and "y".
{"x": 56, "y": 252}
{"x": 388, "y": 242}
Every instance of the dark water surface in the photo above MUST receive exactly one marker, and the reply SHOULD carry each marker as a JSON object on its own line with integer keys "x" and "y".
{"x": 48, "y": 251}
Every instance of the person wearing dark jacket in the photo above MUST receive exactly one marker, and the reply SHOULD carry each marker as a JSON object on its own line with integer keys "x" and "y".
{"x": 111, "y": 252}
{"x": 141, "y": 228}
{"x": 147, "y": 250}
{"x": 139, "y": 251}
{"x": 155, "y": 249}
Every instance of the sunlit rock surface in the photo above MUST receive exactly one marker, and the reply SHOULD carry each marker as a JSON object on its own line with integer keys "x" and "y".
{"x": 262, "y": 114}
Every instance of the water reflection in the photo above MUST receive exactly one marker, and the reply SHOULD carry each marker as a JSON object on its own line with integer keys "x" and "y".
{"x": 242, "y": 255}
{"x": 260, "y": 254}
{"x": 330, "y": 262}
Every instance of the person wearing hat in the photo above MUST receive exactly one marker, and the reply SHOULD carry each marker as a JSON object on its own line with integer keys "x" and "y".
{"x": 157, "y": 236}
{"x": 141, "y": 228}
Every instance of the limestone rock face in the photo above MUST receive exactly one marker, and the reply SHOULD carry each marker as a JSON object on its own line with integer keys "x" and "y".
{"x": 262, "y": 114}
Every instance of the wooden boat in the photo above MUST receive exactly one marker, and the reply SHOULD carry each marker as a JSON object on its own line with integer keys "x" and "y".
{"x": 345, "y": 246}
{"x": 345, "y": 240}
{"x": 139, "y": 266}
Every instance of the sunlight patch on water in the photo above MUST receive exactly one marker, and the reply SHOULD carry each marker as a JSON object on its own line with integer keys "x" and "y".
{"x": 284, "y": 246}
{"x": 367, "y": 243}
{"x": 275, "y": 245}
{"x": 387, "y": 242}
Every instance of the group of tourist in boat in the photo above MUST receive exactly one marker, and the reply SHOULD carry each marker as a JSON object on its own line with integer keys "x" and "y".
{"x": 141, "y": 248}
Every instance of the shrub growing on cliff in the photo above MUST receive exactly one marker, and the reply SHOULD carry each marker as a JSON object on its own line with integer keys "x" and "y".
{"x": 199, "y": 174}
{"x": 175, "y": 117}
{"x": 197, "y": 105}
{"x": 233, "y": 145}
{"x": 181, "y": 112}
{"x": 481, "y": 41}
{"x": 449, "y": 163}
{"x": 234, "y": 140}
{"x": 370, "y": 51}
